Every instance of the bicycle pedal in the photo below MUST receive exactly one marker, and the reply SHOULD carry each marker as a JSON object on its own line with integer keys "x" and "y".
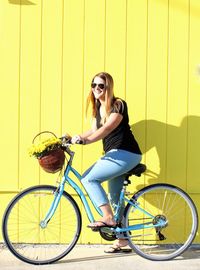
{"x": 95, "y": 229}
{"x": 106, "y": 229}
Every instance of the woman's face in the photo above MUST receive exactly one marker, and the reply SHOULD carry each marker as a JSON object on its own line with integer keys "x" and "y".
{"x": 98, "y": 88}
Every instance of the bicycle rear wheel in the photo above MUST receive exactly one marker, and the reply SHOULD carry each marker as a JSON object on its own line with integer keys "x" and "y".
{"x": 33, "y": 243}
{"x": 169, "y": 227}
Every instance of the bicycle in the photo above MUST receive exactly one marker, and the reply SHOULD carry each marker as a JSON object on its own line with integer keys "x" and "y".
{"x": 42, "y": 224}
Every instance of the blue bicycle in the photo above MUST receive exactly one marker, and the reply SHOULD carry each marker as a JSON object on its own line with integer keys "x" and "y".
{"x": 42, "y": 224}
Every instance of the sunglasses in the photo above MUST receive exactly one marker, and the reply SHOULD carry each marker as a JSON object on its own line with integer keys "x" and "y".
{"x": 100, "y": 85}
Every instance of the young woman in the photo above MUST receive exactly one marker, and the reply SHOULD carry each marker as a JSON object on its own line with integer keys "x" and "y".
{"x": 122, "y": 153}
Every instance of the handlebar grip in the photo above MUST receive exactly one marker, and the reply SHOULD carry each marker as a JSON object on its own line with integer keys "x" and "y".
{"x": 80, "y": 142}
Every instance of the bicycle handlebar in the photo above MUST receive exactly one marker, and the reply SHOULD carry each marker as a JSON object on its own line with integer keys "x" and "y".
{"x": 79, "y": 142}
{"x": 66, "y": 141}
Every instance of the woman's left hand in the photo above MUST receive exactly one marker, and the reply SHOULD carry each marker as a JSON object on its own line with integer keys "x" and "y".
{"x": 77, "y": 139}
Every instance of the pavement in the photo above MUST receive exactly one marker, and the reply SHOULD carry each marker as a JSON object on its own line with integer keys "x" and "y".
{"x": 92, "y": 257}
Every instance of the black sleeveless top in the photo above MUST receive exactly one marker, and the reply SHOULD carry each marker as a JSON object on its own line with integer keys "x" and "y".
{"x": 121, "y": 137}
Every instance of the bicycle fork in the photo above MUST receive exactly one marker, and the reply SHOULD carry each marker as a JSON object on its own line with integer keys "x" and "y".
{"x": 57, "y": 195}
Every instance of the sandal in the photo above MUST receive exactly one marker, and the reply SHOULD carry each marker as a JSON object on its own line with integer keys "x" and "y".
{"x": 95, "y": 227}
{"x": 114, "y": 249}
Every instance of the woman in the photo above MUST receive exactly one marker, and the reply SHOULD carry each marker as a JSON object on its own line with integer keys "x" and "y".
{"x": 122, "y": 152}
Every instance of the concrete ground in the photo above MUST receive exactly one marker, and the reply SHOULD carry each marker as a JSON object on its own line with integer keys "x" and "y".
{"x": 92, "y": 257}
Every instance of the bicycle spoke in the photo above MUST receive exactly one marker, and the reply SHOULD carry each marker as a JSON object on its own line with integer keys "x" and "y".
{"x": 168, "y": 205}
{"x": 24, "y": 234}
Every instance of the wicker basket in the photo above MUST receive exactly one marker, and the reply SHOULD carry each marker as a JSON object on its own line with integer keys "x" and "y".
{"x": 53, "y": 160}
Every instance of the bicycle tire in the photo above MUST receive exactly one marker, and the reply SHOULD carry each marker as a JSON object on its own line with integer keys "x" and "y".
{"x": 22, "y": 231}
{"x": 161, "y": 243}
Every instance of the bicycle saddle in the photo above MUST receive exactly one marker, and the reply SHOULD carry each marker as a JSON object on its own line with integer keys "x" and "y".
{"x": 137, "y": 170}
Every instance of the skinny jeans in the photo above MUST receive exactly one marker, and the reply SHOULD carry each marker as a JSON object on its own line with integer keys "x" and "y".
{"x": 111, "y": 167}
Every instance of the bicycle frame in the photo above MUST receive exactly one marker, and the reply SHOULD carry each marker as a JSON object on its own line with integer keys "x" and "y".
{"x": 68, "y": 180}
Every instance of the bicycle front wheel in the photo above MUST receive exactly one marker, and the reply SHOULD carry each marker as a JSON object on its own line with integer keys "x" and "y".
{"x": 164, "y": 220}
{"x": 24, "y": 234}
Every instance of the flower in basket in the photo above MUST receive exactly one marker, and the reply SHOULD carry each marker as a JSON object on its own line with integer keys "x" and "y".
{"x": 44, "y": 147}
{"x": 49, "y": 153}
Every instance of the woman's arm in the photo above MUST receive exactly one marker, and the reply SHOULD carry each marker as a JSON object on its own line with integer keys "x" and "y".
{"x": 112, "y": 122}
{"x": 87, "y": 134}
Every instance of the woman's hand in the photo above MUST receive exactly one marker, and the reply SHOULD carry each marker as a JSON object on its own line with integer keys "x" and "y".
{"x": 77, "y": 139}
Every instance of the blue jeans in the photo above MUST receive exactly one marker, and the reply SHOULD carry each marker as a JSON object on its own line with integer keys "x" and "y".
{"x": 112, "y": 166}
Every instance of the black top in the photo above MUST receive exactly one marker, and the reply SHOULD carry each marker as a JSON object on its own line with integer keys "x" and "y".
{"x": 121, "y": 137}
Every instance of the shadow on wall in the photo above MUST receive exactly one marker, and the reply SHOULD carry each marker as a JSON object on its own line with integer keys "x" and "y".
{"x": 178, "y": 148}
{"x": 20, "y": 2}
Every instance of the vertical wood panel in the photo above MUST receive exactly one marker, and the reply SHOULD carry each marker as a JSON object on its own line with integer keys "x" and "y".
{"x": 51, "y": 65}
{"x": 177, "y": 93}
{"x": 29, "y": 91}
{"x": 136, "y": 60}
{"x": 156, "y": 88}
{"x": 193, "y": 99}
{"x": 136, "y": 70}
{"x": 116, "y": 43}
{"x": 9, "y": 79}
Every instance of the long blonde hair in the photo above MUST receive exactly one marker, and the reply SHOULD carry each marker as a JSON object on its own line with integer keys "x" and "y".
{"x": 109, "y": 95}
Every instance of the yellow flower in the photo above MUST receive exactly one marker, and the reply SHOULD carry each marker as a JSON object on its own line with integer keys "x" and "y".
{"x": 44, "y": 146}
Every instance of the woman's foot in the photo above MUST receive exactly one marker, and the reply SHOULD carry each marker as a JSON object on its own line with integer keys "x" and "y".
{"x": 118, "y": 246}
{"x": 102, "y": 223}
{"x": 107, "y": 219}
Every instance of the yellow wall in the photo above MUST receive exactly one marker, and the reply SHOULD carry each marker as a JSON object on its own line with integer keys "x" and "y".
{"x": 49, "y": 51}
